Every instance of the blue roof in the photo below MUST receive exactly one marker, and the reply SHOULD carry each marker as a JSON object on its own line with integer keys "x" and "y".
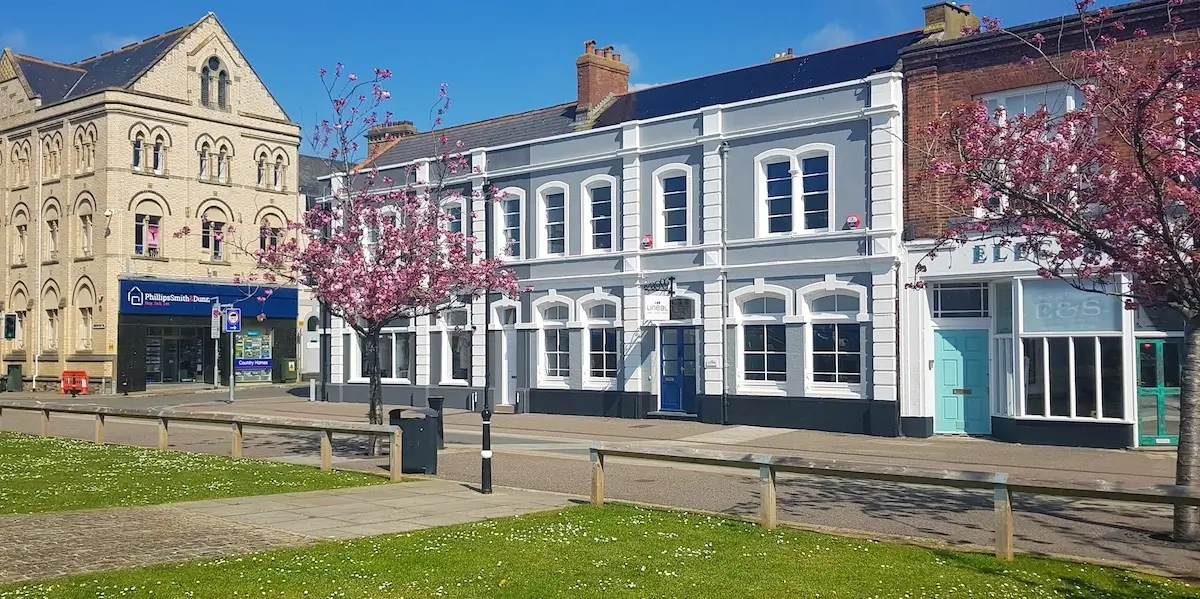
{"x": 803, "y": 72}
{"x": 760, "y": 81}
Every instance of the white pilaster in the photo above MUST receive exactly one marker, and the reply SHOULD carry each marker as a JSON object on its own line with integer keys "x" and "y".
{"x": 631, "y": 204}
{"x": 478, "y": 343}
{"x": 631, "y": 332}
{"x": 423, "y": 349}
{"x": 712, "y": 188}
{"x": 883, "y": 334}
{"x": 712, "y": 353}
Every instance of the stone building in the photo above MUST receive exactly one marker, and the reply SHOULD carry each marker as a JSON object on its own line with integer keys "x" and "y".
{"x": 102, "y": 162}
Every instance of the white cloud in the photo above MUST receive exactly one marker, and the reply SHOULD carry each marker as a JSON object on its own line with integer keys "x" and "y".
{"x": 636, "y": 86}
{"x": 112, "y": 41}
{"x": 829, "y": 36}
{"x": 15, "y": 39}
{"x": 627, "y": 56}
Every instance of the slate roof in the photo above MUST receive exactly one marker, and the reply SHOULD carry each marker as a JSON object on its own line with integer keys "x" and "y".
{"x": 311, "y": 169}
{"x": 803, "y": 72}
{"x": 57, "y": 82}
{"x": 535, "y": 124}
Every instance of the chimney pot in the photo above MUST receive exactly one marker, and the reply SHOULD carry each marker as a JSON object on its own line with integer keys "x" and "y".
{"x": 616, "y": 57}
{"x": 599, "y": 74}
{"x": 589, "y": 46}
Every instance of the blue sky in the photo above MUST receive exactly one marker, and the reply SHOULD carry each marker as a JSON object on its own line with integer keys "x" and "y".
{"x": 497, "y": 59}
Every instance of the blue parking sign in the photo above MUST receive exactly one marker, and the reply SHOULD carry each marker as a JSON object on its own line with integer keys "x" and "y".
{"x": 233, "y": 320}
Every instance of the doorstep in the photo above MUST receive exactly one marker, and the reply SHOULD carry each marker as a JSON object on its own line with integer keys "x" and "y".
{"x": 672, "y": 415}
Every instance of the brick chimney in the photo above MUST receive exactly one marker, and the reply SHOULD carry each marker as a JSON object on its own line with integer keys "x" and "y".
{"x": 377, "y": 137}
{"x": 600, "y": 74}
{"x": 946, "y": 20}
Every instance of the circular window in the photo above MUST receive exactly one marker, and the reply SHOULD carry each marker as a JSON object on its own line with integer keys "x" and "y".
{"x": 214, "y": 64}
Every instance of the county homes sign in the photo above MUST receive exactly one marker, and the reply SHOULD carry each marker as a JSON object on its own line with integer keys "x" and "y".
{"x": 175, "y": 298}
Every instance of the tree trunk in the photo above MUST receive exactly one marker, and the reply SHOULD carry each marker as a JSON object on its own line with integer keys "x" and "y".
{"x": 1187, "y": 465}
{"x": 375, "y": 389}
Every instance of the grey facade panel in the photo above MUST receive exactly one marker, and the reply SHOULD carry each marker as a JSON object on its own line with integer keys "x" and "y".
{"x": 435, "y": 356}
{"x": 575, "y": 147}
{"x": 681, "y": 260}
{"x": 347, "y": 353}
{"x": 578, "y": 208}
{"x": 508, "y": 158}
{"x": 806, "y": 107}
{"x": 693, "y": 157}
{"x": 683, "y": 129}
{"x": 583, "y": 265}
{"x": 795, "y": 249}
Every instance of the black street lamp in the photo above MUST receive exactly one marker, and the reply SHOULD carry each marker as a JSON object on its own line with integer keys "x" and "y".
{"x": 485, "y": 485}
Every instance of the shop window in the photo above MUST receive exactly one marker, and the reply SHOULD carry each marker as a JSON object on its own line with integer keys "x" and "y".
{"x": 960, "y": 300}
{"x": 1004, "y": 308}
{"x": 837, "y": 353}
{"x": 1073, "y": 377}
{"x": 602, "y": 353}
{"x": 558, "y": 353}
{"x": 764, "y": 340}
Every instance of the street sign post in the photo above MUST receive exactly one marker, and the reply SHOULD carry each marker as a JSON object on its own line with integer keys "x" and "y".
{"x": 233, "y": 325}
{"x": 215, "y": 324}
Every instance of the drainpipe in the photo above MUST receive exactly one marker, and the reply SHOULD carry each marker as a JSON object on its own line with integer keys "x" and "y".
{"x": 723, "y": 151}
{"x": 37, "y": 315}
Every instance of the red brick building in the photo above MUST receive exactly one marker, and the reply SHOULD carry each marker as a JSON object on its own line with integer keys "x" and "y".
{"x": 988, "y": 348}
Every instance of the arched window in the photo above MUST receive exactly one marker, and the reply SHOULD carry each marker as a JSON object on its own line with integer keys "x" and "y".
{"x": 79, "y": 148}
{"x": 761, "y": 311}
{"x": 270, "y": 232}
{"x": 139, "y": 143}
{"x": 313, "y": 324}
{"x": 84, "y": 210}
{"x": 602, "y": 340}
{"x": 836, "y": 358}
{"x": 205, "y": 75}
{"x": 223, "y": 90}
{"x": 278, "y": 173}
{"x": 159, "y": 155}
{"x": 20, "y": 246}
{"x": 457, "y": 346}
{"x": 556, "y": 339}
{"x": 223, "y": 165}
{"x": 510, "y": 211}
{"x": 673, "y": 184}
{"x": 50, "y": 218}
{"x": 599, "y": 197}
{"x": 20, "y": 306}
{"x": 50, "y": 319}
{"x": 262, "y": 169}
{"x": 204, "y": 158}
{"x": 84, "y": 304}
{"x": 147, "y": 228}
{"x": 553, "y": 198}
{"x": 90, "y": 153}
{"x": 213, "y": 228}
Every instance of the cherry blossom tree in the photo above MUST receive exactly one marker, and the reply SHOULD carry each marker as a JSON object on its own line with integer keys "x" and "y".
{"x": 1106, "y": 191}
{"x": 379, "y": 251}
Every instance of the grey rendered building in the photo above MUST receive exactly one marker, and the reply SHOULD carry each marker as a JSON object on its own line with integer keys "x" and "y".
{"x": 722, "y": 249}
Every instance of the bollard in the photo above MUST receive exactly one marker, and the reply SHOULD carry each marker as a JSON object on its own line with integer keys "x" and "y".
{"x": 312, "y": 389}
{"x": 485, "y": 478}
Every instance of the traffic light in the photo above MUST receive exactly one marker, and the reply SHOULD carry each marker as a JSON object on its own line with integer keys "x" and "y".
{"x": 10, "y": 326}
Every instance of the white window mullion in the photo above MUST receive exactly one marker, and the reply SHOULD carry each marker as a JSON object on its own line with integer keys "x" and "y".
{"x": 1045, "y": 341}
{"x": 1099, "y": 379}
{"x": 1071, "y": 373}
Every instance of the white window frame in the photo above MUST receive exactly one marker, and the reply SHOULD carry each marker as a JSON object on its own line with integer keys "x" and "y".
{"x": 447, "y": 206}
{"x": 588, "y": 219}
{"x": 761, "y": 209}
{"x": 357, "y": 374}
{"x": 86, "y": 223}
{"x": 738, "y": 318}
{"x": 539, "y": 306}
{"x": 86, "y": 315}
{"x": 543, "y": 194}
{"x": 807, "y": 295}
{"x": 51, "y": 329}
{"x": 586, "y": 303}
{"x": 660, "y": 174}
{"x": 447, "y": 373}
{"x": 501, "y": 241}
{"x": 796, "y": 158}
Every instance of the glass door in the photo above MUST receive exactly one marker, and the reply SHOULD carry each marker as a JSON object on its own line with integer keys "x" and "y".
{"x": 1159, "y": 373}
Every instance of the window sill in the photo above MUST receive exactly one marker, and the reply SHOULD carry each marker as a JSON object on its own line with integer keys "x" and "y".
{"x": 159, "y": 175}
{"x": 834, "y": 391}
{"x": 17, "y": 355}
{"x": 1070, "y": 419}
{"x": 454, "y": 383}
{"x": 18, "y": 265}
{"x": 215, "y": 182}
{"x": 600, "y": 384}
{"x": 49, "y": 355}
{"x": 357, "y": 380}
{"x": 85, "y": 258}
{"x": 269, "y": 189}
{"x": 84, "y": 174}
{"x": 54, "y": 179}
{"x": 216, "y": 262}
{"x": 20, "y": 187}
{"x": 774, "y": 389}
{"x": 553, "y": 383}
{"x": 150, "y": 258}
{"x": 49, "y": 262}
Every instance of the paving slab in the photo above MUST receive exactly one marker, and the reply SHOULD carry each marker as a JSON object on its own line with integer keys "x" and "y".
{"x": 50, "y": 545}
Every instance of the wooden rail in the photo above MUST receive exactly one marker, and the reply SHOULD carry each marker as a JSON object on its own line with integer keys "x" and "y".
{"x": 1001, "y": 484}
{"x": 236, "y": 422}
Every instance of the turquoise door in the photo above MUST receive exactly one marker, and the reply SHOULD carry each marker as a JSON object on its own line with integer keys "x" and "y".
{"x": 960, "y": 374}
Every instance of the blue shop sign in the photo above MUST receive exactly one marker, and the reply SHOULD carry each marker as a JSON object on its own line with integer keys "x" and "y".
{"x": 176, "y": 298}
{"x": 252, "y": 363}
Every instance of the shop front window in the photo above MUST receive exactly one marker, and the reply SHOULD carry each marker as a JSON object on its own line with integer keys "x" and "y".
{"x": 177, "y": 354}
{"x": 252, "y": 355}
{"x": 1073, "y": 377}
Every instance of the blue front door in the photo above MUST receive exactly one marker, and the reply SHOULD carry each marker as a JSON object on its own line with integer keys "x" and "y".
{"x": 961, "y": 382}
{"x": 677, "y": 387}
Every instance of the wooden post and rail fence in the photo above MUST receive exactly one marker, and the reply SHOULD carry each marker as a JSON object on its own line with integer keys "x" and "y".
{"x": 236, "y": 423}
{"x": 1002, "y": 485}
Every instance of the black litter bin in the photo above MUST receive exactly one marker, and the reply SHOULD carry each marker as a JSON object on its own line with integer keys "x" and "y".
{"x": 436, "y": 404}
{"x": 420, "y": 444}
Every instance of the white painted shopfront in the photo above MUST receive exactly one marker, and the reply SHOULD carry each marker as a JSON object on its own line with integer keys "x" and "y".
{"x": 990, "y": 348}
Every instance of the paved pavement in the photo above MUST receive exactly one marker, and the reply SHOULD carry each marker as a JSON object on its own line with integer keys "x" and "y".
{"x": 41, "y": 546}
{"x": 545, "y": 452}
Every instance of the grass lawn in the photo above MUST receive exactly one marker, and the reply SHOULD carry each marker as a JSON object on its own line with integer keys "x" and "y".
{"x": 42, "y": 474}
{"x": 618, "y": 551}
